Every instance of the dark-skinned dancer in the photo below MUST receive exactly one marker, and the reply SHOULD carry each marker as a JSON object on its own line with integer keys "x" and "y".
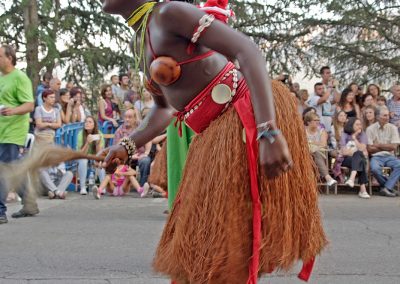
{"x": 248, "y": 202}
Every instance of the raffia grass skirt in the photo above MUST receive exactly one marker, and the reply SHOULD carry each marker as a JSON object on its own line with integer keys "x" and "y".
{"x": 158, "y": 173}
{"x": 208, "y": 236}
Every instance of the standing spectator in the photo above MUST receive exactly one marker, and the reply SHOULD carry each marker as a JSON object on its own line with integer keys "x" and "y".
{"x": 330, "y": 86}
{"x": 16, "y": 102}
{"x": 348, "y": 104}
{"x": 383, "y": 139}
{"x": 303, "y": 98}
{"x": 146, "y": 102}
{"x": 90, "y": 141}
{"x": 69, "y": 85}
{"x": 47, "y": 118}
{"x": 55, "y": 181}
{"x": 45, "y": 84}
{"x": 394, "y": 106}
{"x": 123, "y": 88}
{"x": 106, "y": 106}
{"x": 85, "y": 107}
{"x": 374, "y": 91}
{"x": 353, "y": 147}
{"x": 78, "y": 112}
{"x": 65, "y": 106}
{"x": 318, "y": 139}
{"x": 55, "y": 85}
{"x": 320, "y": 101}
{"x": 369, "y": 117}
{"x": 114, "y": 84}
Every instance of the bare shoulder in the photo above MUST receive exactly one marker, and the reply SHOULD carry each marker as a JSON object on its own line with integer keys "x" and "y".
{"x": 175, "y": 14}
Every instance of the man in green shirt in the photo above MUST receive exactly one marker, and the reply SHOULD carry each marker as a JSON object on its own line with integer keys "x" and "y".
{"x": 16, "y": 102}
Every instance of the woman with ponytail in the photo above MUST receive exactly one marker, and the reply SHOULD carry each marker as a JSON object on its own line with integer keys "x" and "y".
{"x": 247, "y": 203}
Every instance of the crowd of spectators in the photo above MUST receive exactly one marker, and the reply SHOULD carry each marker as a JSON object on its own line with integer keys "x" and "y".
{"x": 123, "y": 102}
{"x": 352, "y": 132}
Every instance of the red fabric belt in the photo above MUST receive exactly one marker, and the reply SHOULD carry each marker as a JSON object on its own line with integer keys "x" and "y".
{"x": 198, "y": 115}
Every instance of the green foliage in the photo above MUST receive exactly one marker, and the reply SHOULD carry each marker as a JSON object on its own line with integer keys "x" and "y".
{"x": 77, "y": 35}
{"x": 359, "y": 38}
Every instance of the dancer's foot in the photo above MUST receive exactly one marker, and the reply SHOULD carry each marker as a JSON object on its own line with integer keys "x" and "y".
{"x": 3, "y": 219}
{"x": 22, "y": 213}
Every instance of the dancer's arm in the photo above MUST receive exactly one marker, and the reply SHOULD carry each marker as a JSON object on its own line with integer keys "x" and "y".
{"x": 159, "y": 118}
{"x": 274, "y": 157}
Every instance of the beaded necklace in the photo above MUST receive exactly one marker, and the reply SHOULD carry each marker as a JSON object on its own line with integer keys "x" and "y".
{"x": 141, "y": 13}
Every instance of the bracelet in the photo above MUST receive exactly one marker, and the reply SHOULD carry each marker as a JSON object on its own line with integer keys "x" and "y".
{"x": 130, "y": 147}
{"x": 269, "y": 134}
{"x": 265, "y": 125}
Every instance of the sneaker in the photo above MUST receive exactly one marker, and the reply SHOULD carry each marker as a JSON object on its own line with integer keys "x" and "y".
{"x": 51, "y": 195}
{"x": 331, "y": 182}
{"x": 146, "y": 188}
{"x": 385, "y": 192}
{"x": 83, "y": 191}
{"x": 3, "y": 219}
{"x": 96, "y": 192}
{"x": 62, "y": 195}
{"x": 349, "y": 183}
{"x": 140, "y": 190}
{"x": 364, "y": 195}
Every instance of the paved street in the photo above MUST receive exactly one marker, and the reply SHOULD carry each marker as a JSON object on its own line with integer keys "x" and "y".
{"x": 81, "y": 240}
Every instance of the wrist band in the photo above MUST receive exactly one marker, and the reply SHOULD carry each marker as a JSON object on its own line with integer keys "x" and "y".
{"x": 130, "y": 147}
{"x": 269, "y": 134}
{"x": 265, "y": 125}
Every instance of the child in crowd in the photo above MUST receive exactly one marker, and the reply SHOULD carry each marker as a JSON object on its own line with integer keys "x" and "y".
{"x": 119, "y": 183}
{"x": 381, "y": 101}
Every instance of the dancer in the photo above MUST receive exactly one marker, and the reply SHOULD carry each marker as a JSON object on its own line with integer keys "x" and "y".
{"x": 247, "y": 203}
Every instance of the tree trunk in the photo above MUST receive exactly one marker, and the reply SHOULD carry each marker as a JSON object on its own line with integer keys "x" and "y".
{"x": 31, "y": 23}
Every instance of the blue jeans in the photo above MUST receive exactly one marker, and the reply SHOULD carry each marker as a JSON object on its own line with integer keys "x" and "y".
{"x": 144, "y": 168}
{"x": 8, "y": 153}
{"x": 377, "y": 162}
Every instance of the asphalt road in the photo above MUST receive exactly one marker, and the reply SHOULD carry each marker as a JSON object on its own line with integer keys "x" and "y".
{"x": 81, "y": 240}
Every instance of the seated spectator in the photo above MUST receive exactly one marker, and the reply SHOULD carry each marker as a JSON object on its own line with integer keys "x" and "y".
{"x": 318, "y": 139}
{"x": 353, "y": 147}
{"x": 339, "y": 120}
{"x": 90, "y": 141}
{"x": 106, "y": 106}
{"x": 145, "y": 102}
{"x": 142, "y": 154}
{"x": 394, "y": 106}
{"x": 47, "y": 118}
{"x": 65, "y": 106}
{"x": 130, "y": 123}
{"x": 320, "y": 101}
{"x": 374, "y": 91}
{"x": 118, "y": 184}
{"x": 383, "y": 139}
{"x": 356, "y": 91}
{"x": 78, "y": 112}
{"x": 55, "y": 181}
{"x": 381, "y": 101}
{"x": 348, "y": 104}
{"x": 368, "y": 117}
{"x": 131, "y": 97}
{"x": 367, "y": 100}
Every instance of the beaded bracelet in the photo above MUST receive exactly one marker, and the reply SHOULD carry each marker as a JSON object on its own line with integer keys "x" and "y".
{"x": 130, "y": 147}
{"x": 269, "y": 134}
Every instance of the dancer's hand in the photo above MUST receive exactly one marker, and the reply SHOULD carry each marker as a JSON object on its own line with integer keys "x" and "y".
{"x": 275, "y": 157}
{"x": 114, "y": 156}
